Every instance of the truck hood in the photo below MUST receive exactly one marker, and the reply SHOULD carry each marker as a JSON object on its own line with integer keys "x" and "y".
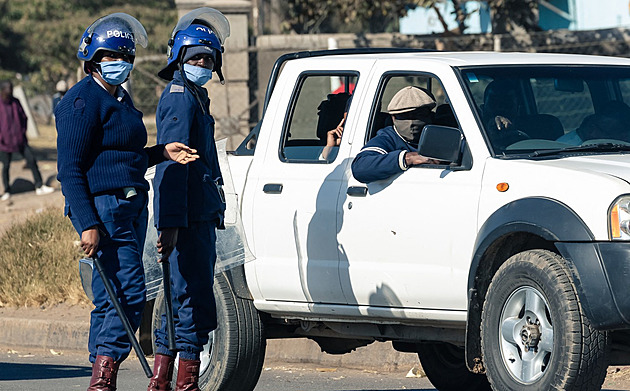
{"x": 610, "y": 165}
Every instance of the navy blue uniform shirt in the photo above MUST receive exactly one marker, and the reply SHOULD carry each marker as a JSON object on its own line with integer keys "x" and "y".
{"x": 187, "y": 193}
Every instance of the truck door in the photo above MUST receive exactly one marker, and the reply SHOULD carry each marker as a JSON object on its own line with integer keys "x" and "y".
{"x": 406, "y": 241}
{"x": 294, "y": 209}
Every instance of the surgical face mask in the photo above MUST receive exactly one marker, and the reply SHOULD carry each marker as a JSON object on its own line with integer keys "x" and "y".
{"x": 409, "y": 129}
{"x": 115, "y": 72}
{"x": 197, "y": 75}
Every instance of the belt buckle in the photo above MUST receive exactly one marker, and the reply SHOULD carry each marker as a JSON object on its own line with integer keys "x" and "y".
{"x": 129, "y": 192}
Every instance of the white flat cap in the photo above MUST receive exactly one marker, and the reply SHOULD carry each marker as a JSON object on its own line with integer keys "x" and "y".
{"x": 408, "y": 99}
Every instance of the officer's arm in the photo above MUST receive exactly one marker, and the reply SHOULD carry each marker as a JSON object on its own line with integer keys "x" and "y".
{"x": 75, "y": 133}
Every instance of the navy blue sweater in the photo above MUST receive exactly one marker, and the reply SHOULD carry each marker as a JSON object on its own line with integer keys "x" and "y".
{"x": 100, "y": 147}
{"x": 381, "y": 157}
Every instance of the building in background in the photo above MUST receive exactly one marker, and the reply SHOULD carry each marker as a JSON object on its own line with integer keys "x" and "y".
{"x": 553, "y": 15}
{"x": 425, "y": 20}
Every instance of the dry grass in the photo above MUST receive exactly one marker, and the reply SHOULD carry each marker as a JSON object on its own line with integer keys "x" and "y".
{"x": 39, "y": 262}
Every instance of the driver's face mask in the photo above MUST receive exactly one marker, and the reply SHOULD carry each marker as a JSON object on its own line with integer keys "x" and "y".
{"x": 410, "y": 125}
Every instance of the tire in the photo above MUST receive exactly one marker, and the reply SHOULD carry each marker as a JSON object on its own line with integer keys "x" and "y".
{"x": 233, "y": 358}
{"x": 445, "y": 366}
{"x": 534, "y": 335}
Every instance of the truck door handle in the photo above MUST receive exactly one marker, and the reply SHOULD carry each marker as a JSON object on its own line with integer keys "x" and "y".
{"x": 273, "y": 188}
{"x": 357, "y": 191}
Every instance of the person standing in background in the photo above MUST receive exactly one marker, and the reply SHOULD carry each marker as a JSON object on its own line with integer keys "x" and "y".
{"x": 13, "y": 140}
{"x": 62, "y": 88}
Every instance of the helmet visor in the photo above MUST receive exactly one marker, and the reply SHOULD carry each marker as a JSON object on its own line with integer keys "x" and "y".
{"x": 213, "y": 18}
{"x": 124, "y": 21}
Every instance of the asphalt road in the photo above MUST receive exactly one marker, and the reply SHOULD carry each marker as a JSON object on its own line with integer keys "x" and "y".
{"x": 35, "y": 370}
{"x": 43, "y": 370}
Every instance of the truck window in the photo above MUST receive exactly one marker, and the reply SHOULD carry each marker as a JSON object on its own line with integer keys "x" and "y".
{"x": 392, "y": 83}
{"x": 318, "y": 106}
{"x": 548, "y": 107}
{"x": 570, "y": 107}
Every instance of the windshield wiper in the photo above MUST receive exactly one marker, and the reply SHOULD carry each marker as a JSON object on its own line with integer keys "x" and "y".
{"x": 601, "y": 147}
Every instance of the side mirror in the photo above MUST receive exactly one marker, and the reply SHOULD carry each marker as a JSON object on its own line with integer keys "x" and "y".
{"x": 442, "y": 143}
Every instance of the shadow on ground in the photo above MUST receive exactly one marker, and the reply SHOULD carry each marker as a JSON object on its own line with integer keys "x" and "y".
{"x": 21, "y": 371}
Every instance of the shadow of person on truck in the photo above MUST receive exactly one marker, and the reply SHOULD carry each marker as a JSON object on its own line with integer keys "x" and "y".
{"x": 325, "y": 247}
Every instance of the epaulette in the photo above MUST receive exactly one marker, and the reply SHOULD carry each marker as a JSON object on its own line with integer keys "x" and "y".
{"x": 176, "y": 88}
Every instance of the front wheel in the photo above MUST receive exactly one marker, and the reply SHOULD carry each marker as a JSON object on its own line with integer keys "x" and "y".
{"x": 233, "y": 358}
{"x": 534, "y": 335}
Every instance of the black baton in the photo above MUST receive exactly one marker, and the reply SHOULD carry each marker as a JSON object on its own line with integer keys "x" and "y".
{"x": 168, "y": 304}
{"x": 123, "y": 318}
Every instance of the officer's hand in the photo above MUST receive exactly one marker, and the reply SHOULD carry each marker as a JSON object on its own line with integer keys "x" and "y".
{"x": 166, "y": 242}
{"x": 413, "y": 159}
{"x": 180, "y": 153}
{"x": 89, "y": 241}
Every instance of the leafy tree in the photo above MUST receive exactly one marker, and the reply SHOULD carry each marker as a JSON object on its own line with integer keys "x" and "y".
{"x": 514, "y": 15}
{"x": 328, "y": 16}
{"x": 9, "y": 41}
{"x": 460, "y": 14}
{"x": 39, "y": 38}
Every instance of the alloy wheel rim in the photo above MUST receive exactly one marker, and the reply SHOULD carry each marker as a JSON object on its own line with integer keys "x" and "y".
{"x": 526, "y": 335}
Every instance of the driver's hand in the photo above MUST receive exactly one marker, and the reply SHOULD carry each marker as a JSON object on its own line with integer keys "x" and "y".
{"x": 413, "y": 159}
{"x": 503, "y": 124}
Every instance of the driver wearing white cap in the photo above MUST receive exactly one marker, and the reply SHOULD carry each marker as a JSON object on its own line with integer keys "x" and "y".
{"x": 395, "y": 148}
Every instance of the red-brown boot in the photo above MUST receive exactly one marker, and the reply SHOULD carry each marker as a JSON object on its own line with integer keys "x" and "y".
{"x": 162, "y": 373}
{"x": 188, "y": 375}
{"x": 104, "y": 373}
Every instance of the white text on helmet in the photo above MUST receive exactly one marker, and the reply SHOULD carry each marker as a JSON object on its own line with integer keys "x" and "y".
{"x": 119, "y": 34}
{"x": 205, "y": 30}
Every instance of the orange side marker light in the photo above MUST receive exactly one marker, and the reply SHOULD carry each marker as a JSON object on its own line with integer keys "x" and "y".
{"x": 503, "y": 187}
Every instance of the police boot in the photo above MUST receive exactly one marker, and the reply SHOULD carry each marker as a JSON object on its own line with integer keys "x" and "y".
{"x": 188, "y": 375}
{"x": 162, "y": 373}
{"x": 104, "y": 373}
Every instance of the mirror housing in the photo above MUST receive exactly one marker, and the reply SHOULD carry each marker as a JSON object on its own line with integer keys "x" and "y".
{"x": 442, "y": 143}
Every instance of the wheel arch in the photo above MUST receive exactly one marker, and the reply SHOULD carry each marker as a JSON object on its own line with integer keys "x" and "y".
{"x": 524, "y": 224}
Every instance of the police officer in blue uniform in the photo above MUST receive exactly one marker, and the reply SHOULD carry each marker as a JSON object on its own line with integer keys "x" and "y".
{"x": 188, "y": 201}
{"x": 395, "y": 148}
{"x": 101, "y": 162}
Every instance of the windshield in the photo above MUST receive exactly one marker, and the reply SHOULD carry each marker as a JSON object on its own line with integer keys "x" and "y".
{"x": 547, "y": 110}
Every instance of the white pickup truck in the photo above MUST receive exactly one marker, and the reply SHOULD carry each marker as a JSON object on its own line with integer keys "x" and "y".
{"x": 505, "y": 267}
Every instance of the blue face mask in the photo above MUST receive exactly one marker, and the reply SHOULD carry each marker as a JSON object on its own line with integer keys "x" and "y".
{"x": 197, "y": 75}
{"x": 115, "y": 72}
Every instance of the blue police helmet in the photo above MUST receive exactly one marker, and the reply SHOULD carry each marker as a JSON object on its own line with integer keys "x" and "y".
{"x": 187, "y": 42}
{"x": 118, "y": 32}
